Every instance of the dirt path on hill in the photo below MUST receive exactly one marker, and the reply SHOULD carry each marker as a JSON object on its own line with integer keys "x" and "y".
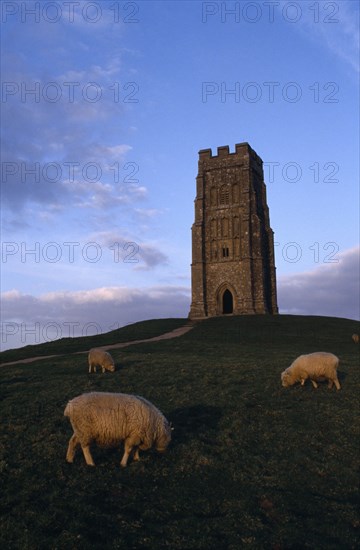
{"x": 166, "y": 336}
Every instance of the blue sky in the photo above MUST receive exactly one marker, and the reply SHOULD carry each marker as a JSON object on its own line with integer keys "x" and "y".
{"x": 105, "y": 106}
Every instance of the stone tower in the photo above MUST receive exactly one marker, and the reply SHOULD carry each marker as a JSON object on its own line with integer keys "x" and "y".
{"x": 233, "y": 267}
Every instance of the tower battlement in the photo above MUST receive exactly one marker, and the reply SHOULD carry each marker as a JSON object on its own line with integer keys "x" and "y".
{"x": 242, "y": 151}
{"x": 233, "y": 268}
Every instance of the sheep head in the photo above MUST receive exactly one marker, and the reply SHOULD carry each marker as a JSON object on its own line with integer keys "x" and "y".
{"x": 287, "y": 378}
{"x": 164, "y": 438}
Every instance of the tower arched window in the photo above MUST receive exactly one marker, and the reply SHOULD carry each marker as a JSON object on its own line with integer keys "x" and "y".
{"x": 224, "y": 227}
{"x": 235, "y": 193}
{"x": 213, "y": 196}
{"x": 224, "y": 195}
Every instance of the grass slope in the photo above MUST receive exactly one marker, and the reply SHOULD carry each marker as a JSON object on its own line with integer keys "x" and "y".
{"x": 136, "y": 331}
{"x": 251, "y": 464}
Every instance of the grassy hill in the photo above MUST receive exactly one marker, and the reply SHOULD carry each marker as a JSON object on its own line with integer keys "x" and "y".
{"x": 136, "y": 331}
{"x": 251, "y": 465}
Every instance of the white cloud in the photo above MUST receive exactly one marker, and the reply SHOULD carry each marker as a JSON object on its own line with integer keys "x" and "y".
{"x": 333, "y": 24}
{"x": 29, "y": 319}
{"x": 41, "y": 116}
{"x": 331, "y": 289}
{"x": 11, "y": 295}
{"x": 148, "y": 255}
{"x": 343, "y": 38}
{"x": 93, "y": 73}
{"x": 145, "y": 214}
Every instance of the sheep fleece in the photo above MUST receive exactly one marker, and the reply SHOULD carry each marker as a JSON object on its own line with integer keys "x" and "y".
{"x": 102, "y": 358}
{"x": 108, "y": 418}
{"x": 316, "y": 366}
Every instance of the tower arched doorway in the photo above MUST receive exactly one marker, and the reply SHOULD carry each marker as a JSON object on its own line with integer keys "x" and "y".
{"x": 227, "y": 303}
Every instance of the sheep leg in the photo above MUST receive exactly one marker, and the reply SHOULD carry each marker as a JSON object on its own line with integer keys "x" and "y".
{"x": 330, "y": 384}
{"x": 87, "y": 455}
{"x": 130, "y": 443}
{"x": 314, "y": 383}
{"x": 337, "y": 383}
{"x": 142, "y": 447}
{"x": 128, "y": 449}
{"x": 71, "y": 448}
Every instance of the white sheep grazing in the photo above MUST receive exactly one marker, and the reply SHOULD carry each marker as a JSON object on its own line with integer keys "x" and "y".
{"x": 108, "y": 418}
{"x": 317, "y": 366}
{"x": 355, "y": 338}
{"x": 101, "y": 358}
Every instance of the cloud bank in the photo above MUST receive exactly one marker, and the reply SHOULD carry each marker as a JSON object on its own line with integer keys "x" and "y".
{"x": 32, "y": 320}
{"x": 329, "y": 290}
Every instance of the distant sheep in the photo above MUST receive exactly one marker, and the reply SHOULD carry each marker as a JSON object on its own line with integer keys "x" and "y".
{"x": 101, "y": 358}
{"x": 355, "y": 338}
{"x": 317, "y": 366}
{"x": 108, "y": 418}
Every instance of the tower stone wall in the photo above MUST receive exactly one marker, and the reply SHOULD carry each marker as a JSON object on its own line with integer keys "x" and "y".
{"x": 233, "y": 267}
